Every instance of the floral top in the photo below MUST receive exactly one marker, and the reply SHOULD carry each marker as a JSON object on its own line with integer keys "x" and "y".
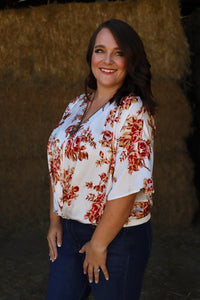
{"x": 109, "y": 157}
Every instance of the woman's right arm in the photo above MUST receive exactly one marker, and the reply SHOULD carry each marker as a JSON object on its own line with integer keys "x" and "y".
{"x": 55, "y": 231}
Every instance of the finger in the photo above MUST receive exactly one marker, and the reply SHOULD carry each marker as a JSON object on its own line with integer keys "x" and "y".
{"x": 53, "y": 250}
{"x": 83, "y": 249}
{"x": 51, "y": 254}
{"x": 96, "y": 274}
{"x": 85, "y": 267}
{"x": 105, "y": 272}
{"x": 50, "y": 248}
{"x": 90, "y": 273}
{"x": 59, "y": 239}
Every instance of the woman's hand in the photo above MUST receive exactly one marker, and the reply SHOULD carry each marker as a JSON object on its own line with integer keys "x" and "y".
{"x": 54, "y": 238}
{"x": 95, "y": 260}
{"x": 115, "y": 215}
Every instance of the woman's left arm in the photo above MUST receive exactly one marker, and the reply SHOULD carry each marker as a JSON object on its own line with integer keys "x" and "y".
{"x": 115, "y": 214}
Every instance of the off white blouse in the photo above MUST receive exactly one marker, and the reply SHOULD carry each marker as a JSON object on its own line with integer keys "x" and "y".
{"x": 109, "y": 157}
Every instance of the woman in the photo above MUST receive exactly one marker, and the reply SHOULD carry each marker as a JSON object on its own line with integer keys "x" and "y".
{"x": 100, "y": 161}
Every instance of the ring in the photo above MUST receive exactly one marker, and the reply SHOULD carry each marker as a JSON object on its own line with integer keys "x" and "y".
{"x": 97, "y": 270}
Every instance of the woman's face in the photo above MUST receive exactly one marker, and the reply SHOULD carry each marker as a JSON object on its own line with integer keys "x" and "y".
{"x": 108, "y": 63}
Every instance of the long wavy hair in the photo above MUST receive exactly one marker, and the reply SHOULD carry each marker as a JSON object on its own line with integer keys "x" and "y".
{"x": 138, "y": 79}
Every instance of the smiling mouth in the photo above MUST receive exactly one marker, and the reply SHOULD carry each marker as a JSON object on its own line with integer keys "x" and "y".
{"x": 107, "y": 71}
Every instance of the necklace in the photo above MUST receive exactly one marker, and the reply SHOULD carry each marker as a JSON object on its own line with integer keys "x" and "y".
{"x": 75, "y": 128}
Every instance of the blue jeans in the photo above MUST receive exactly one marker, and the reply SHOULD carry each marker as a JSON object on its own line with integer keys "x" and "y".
{"x": 127, "y": 258}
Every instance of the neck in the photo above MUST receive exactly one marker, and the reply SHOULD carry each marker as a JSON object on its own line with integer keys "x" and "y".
{"x": 103, "y": 95}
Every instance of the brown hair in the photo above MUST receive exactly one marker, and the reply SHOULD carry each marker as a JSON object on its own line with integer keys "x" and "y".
{"x": 138, "y": 79}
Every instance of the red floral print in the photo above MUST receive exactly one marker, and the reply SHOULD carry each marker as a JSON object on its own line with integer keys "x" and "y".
{"x": 107, "y": 141}
{"x": 143, "y": 148}
{"x": 107, "y": 138}
{"x": 76, "y": 145}
{"x": 132, "y": 131}
{"x": 69, "y": 191}
{"x": 75, "y": 151}
{"x": 136, "y": 148}
{"x": 54, "y": 159}
{"x": 148, "y": 186}
{"x": 115, "y": 114}
{"x": 140, "y": 209}
{"x": 112, "y": 118}
{"x": 98, "y": 201}
{"x": 85, "y": 167}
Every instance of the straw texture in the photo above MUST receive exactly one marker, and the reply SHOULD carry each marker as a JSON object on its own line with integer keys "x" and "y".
{"x": 175, "y": 200}
{"x": 42, "y": 67}
{"x": 46, "y": 41}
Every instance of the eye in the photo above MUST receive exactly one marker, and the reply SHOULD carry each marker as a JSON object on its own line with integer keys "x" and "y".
{"x": 98, "y": 50}
{"x": 120, "y": 53}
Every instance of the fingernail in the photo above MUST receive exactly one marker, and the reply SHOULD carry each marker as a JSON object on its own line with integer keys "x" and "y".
{"x": 59, "y": 245}
{"x": 107, "y": 278}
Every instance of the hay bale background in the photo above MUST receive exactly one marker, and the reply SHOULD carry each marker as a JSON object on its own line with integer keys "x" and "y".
{"x": 28, "y": 114}
{"x": 44, "y": 42}
{"x": 192, "y": 88}
{"x": 175, "y": 199}
{"x": 42, "y": 68}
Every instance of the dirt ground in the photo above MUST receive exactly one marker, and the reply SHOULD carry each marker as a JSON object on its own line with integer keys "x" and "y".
{"x": 173, "y": 271}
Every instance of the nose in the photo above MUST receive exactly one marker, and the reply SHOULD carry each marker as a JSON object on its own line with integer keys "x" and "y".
{"x": 108, "y": 58}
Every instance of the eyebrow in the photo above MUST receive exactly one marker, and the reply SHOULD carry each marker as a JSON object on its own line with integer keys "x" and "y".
{"x": 102, "y": 46}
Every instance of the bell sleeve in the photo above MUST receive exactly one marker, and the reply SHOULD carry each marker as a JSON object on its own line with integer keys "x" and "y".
{"x": 134, "y": 154}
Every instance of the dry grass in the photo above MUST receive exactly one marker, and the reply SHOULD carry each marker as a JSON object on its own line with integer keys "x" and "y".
{"x": 51, "y": 40}
{"x": 42, "y": 67}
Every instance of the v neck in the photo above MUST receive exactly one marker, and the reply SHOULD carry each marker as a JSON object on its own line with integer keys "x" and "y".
{"x": 95, "y": 112}
{"x": 79, "y": 124}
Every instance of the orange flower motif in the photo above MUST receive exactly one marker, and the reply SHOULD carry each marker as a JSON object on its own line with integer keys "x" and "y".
{"x": 104, "y": 177}
{"x": 135, "y": 148}
{"x": 107, "y": 138}
{"x": 148, "y": 186}
{"x": 95, "y": 212}
{"x": 143, "y": 148}
{"x": 90, "y": 197}
{"x": 89, "y": 185}
{"x": 128, "y": 149}
{"x": 140, "y": 209}
{"x": 101, "y": 154}
{"x": 75, "y": 147}
{"x": 133, "y": 132}
{"x": 112, "y": 118}
{"x": 54, "y": 159}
